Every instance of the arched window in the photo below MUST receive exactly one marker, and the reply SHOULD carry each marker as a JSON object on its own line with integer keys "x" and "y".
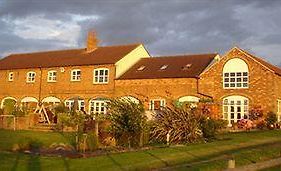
{"x": 130, "y": 98}
{"x": 189, "y": 101}
{"x": 235, "y": 108}
{"x": 69, "y": 103}
{"x": 8, "y": 99}
{"x": 51, "y": 100}
{"x": 235, "y": 74}
{"x": 98, "y": 106}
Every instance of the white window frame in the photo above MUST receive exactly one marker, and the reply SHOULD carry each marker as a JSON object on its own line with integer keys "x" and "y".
{"x": 237, "y": 76}
{"x": 51, "y": 76}
{"x": 97, "y": 106}
{"x": 98, "y": 78}
{"x": 75, "y": 76}
{"x": 11, "y": 76}
{"x": 279, "y": 110}
{"x": 69, "y": 104}
{"x": 30, "y": 77}
{"x": 151, "y": 103}
{"x": 231, "y": 105}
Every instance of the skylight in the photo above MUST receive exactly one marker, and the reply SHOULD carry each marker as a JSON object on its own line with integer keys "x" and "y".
{"x": 163, "y": 67}
{"x": 186, "y": 67}
{"x": 141, "y": 68}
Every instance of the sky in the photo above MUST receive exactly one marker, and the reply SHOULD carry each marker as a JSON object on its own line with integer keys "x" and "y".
{"x": 165, "y": 27}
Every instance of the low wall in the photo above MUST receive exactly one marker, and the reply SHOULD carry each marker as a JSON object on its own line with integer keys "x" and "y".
{"x": 18, "y": 123}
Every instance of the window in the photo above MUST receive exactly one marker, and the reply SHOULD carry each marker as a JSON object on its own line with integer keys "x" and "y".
{"x": 98, "y": 106}
{"x": 235, "y": 108}
{"x": 52, "y": 76}
{"x": 11, "y": 76}
{"x": 186, "y": 67}
{"x": 76, "y": 75}
{"x": 163, "y": 67}
{"x": 279, "y": 110}
{"x": 141, "y": 68}
{"x": 70, "y": 104}
{"x": 235, "y": 74}
{"x": 236, "y": 80}
{"x": 189, "y": 101}
{"x": 156, "y": 104}
{"x": 30, "y": 77}
{"x": 101, "y": 76}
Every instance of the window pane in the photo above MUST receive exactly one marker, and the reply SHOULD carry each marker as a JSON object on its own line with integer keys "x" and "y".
{"x": 232, "y": 74}
{"x": 238, "y": 74}
{"x": 245, "y": 73}
{"x": 226, "y": 74}
{"x": 232, "y": 79}
{"x": 226, "y": 80}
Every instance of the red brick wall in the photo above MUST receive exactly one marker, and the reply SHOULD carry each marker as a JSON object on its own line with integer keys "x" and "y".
{"x": 63, "y": 88}
{"x": 147, "y": 89}
{"x": 262, "y": 89}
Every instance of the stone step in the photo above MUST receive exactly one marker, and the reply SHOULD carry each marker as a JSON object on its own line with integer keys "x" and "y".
{"x": 43, "y": 127}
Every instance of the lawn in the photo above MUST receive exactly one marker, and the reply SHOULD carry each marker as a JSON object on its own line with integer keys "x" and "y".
{"x": 245, "y": 148}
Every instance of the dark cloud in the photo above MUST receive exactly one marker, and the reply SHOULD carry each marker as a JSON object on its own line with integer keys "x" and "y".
{"x": 165, "y": 27}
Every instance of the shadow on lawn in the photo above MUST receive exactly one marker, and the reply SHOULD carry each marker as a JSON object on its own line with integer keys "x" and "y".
{"x": 115, "y": 162}
{"x": 218, "y": 155}
{"x": 16, "y": 163}
{"x": 34, "y": 163}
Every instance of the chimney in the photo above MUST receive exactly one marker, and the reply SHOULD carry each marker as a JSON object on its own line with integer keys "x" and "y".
{"x": 92, "y": 41}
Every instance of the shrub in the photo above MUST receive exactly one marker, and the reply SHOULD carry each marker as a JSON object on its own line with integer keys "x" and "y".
{"x": 29, "y": 144}
{"x": 271, "y": 119}
{"x": 210, "y": 127}
{"x": 255, "y": 113}
{"x": 127, "y": 121}
{"x": 177, "y": 125}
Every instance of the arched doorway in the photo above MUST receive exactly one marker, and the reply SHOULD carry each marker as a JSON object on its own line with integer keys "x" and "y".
{"x": 235, "y": 108}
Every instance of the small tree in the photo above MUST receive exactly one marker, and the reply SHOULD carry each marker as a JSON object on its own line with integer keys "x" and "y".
{"x": 72, "y": 118}
{"x": 271, "y": 119}
{"x": 127, "y": 120}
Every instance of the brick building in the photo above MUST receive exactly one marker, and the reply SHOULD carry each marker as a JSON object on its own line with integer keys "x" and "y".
{"x": 236, "y": 81}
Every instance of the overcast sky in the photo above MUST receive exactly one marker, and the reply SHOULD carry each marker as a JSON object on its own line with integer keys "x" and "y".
{"x": 165, "y": 27}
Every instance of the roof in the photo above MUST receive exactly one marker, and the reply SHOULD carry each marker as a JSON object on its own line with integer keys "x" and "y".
{"x": 187, "y": 66}
{"x": 274, "y": 68}
{"x": 72, "y": 57}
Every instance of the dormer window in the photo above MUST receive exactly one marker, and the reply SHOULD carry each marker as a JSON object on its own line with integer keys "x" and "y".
{"x": 30, "y": 77}
{"x": 163, "y": 67}
{"x": 186, "y": 67}
{"x": 141, "y": 68}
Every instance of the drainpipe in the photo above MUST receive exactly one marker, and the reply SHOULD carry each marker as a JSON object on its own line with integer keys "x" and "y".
{"x": 198, "y": 91}
{"x": 40, "y": 87}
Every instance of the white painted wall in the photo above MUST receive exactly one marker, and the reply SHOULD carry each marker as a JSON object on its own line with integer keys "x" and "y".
{"x": 129, "y": 60}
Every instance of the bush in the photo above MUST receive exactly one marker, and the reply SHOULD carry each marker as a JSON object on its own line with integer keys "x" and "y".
{"x": 271, "y": 120}
{"x": 210, "y": 127}
{"x": 127, "y": 121}
{"x": 29, "y": 144}
{"x": 177, "y": 125}
{"x": 255, "y": 113}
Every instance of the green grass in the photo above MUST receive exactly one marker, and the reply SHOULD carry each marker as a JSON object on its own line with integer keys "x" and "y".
{"x": 9, "y": 138}
{"x": 245, "y": 148}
